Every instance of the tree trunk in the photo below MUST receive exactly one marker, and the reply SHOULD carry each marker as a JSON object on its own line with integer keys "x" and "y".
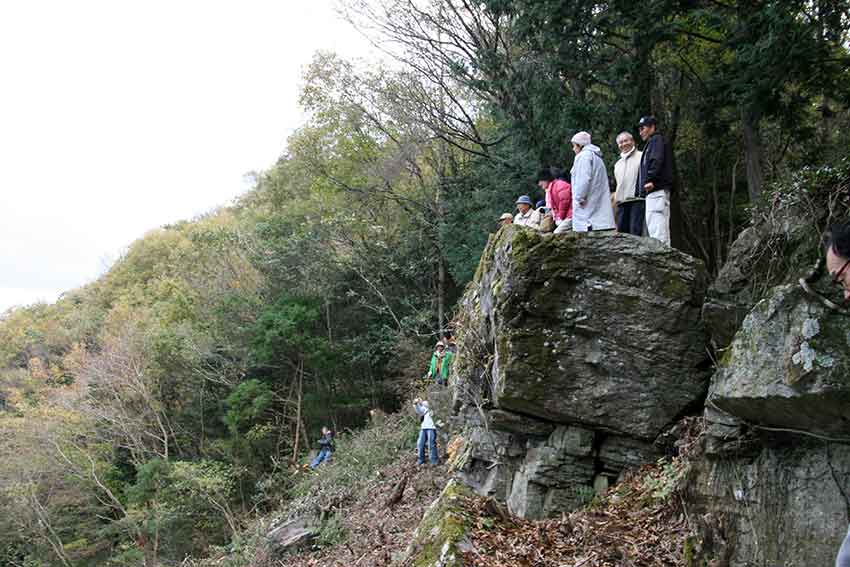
{"x": 716, "y": 238}
{"x": 642, "y": 75}
{"x": 441, "y": 265}
{"x": 328, "y": 318}
{"x": 298, "y": 412}
{"x": 441, "y": 294}
{"x": 732, "y": 205}
{"x": 752, "y": 152}
{"x": 677, "y": 231}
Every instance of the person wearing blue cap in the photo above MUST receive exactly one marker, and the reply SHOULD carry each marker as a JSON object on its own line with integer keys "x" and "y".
{"x": 527, "y": 216}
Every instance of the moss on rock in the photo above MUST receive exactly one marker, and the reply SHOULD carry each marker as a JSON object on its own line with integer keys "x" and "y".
{"x": 443, "y": 528}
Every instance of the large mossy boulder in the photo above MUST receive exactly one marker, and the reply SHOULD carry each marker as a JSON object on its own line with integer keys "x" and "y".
{"x": 575, "y": 352}
{"x": 788, "y": 367}
{"x": 440, "y": 538}
{"x": 598, "y": 330}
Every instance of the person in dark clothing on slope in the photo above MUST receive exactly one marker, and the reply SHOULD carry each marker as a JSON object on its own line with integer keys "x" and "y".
{"x": 326, "y": 448}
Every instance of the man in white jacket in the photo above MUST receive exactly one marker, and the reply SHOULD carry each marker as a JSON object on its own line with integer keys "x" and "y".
{"x": 591, "y": 196}
{"x": 630, "y": 208}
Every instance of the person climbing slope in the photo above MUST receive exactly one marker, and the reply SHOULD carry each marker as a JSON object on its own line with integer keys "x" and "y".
{"x": 326, "y": 448}
{"x": 441, "y": 362}
{"x": 427, "y": 433}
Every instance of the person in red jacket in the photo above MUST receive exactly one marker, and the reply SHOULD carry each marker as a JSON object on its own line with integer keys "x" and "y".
{"x": 559, "y": 199}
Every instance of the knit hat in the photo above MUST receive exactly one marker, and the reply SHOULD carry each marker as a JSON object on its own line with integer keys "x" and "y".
{"x": 581, "y": 139}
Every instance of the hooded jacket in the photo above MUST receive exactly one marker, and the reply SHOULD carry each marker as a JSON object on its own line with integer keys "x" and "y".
{"x": 590, "y": 184}
{"x": 656, "y": 166}
{"x": 561, "y": 199}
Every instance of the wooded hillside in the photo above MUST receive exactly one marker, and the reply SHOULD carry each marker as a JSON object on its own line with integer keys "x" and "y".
{"x": 150, "y": 415}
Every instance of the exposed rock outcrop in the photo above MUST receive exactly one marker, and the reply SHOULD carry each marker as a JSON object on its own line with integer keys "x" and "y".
{"x": 780, "y": 501}
{"x": 780, "y": 245}
{"x": 772, "y": 487}
{"x": 776, "y": 470}
{"x": 441, "y": 535}
{"x": 788, "y": 367}
{"x": 291, "y": 535}
{"x": 576, "y": 351}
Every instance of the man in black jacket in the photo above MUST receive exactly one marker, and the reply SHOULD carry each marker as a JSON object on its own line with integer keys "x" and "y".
{"x": 655, "y": 180}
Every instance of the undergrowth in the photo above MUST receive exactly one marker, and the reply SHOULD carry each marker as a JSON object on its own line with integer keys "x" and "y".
{"x": 357, "y": 459}
{"x": 322, "y": 494}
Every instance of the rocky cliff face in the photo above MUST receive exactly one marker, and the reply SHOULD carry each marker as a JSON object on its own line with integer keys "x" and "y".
{"x": 775, "y": 477}
{"x": 772, "y": 487}
{"x": 780, "y": 243}
{"x": 576, "y": 352}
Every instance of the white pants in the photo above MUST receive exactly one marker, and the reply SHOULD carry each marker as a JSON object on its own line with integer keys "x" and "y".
{"x": 565, "y": 225}
{"x": 658, "y": 216}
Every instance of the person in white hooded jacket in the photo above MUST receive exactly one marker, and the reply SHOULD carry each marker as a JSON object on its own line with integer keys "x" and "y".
{"x": 591, "y": 196}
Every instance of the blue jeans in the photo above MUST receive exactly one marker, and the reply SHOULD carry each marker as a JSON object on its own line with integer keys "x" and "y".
{"x": 431, "y": 436}
{"x": 324, "y": 455}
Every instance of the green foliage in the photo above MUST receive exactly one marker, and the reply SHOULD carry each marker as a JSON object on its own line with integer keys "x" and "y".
{"x": 473, "y": 209}
{"x": 127, "y": 556}
{"x": 667, "y": 479}
{"x": 332, "y": 530}
{"x": 184, "y": 506}
{"x": 247, "y": 406}
{"x": 189, "y": 347}
{"x": 288, "y": 330}
{"x": 151, "y": 479}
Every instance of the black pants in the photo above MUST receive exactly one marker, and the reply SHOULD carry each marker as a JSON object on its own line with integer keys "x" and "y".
{"x": 630, "y": 217}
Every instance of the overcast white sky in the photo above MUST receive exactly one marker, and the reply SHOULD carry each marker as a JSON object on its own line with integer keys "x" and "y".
{"x": 120, "y": 116}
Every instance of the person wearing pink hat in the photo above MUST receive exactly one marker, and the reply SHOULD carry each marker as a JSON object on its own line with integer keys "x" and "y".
{"x": 591, "y": 195}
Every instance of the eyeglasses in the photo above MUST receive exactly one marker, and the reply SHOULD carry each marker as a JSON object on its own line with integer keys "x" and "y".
{"x": 838, "y": 277}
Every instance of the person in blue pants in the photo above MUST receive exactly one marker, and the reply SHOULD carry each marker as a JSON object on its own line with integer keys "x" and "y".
{"x": 427, "y": 432}
{"x": 326, "y": 448}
